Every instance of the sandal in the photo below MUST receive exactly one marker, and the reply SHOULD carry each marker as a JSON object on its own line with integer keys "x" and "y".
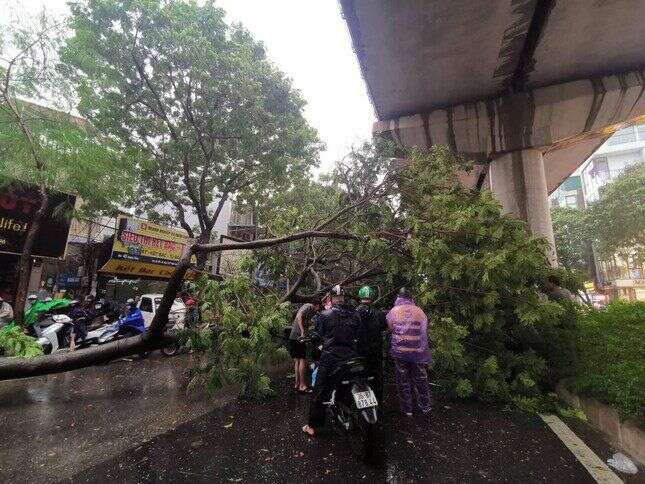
{"x": 305, "y": 391}
{"x": 304, "y": 429}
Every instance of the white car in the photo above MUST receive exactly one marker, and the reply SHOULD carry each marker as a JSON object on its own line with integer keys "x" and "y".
{"x": 149, "y": 303}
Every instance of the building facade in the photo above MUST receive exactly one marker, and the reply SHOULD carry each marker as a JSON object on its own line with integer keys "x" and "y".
{"x": 569, "y": 194}
{"x": 621, "y": 276}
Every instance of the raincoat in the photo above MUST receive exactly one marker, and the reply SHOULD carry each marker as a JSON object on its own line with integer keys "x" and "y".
{"x": 134, "y": 320}
{"x": 409, "y": 326}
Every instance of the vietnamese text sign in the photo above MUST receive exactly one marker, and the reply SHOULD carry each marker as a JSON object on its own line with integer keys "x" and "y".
{"x": 145, "y": 249}
{"x": 18, "y": 205}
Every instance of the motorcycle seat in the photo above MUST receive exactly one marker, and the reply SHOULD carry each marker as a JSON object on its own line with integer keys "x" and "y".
{"x": 351, "y": 368}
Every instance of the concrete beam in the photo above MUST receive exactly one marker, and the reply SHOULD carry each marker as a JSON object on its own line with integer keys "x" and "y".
{"x": 546, "y": 118}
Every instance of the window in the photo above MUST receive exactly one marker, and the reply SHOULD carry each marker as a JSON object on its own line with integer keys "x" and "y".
{"x": 146, "y": 304}
{"x": 626, "y": 135}
{"x": 599, "y": 167}
{"x": 571, "y": 201}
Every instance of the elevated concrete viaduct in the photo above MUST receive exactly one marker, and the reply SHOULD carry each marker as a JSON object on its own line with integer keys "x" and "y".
{"x": 527, "y": 88}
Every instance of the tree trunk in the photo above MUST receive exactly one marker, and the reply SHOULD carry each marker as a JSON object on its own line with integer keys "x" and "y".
{"x": 24, "y": 272}
{"x": 154, "y": 338}
{"x": 12, "y": 368}
{"x": 160, "y": 319}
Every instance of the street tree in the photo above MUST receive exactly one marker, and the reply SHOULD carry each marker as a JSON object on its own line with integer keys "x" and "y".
{"x": 617, "y": 218}
{"x": 571, "y": 237}
{"x": 212, "y": 117}
{"x": 47, "y": 146}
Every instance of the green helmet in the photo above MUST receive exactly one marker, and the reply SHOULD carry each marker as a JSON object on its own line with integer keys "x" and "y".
{"x": 366, "y": 292}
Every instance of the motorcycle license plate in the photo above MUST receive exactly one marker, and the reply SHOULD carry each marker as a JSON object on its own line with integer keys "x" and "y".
{"x": 365, "y": 399}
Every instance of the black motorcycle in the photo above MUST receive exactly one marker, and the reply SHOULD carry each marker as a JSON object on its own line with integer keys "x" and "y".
{"x": 353, "y": 405}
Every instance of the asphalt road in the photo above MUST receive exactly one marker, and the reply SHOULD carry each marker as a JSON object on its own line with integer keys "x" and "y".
{"x": 131, "y": 422}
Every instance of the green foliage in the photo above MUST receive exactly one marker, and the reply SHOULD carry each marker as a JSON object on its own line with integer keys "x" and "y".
{"x": 49, "y": 147}
{"x": 478, "y": 273}
{"x": 356, "y": 196}
{"x": 14, "y": 342}
{"x": 571, "y": 232}
{"x": 618, "y": 217}
{"x": 610, "y": 347}
{"x": 239, "y": 342}
{"x": 210, "y": 114}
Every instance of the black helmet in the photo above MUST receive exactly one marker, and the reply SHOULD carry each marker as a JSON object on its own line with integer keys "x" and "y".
{"x": 404, "y": 292}
{"x": 131, "y": 303}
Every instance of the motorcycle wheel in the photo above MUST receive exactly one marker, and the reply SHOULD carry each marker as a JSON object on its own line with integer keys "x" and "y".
{"x": 363, "y": 438}
{"x": 171, "y": 349}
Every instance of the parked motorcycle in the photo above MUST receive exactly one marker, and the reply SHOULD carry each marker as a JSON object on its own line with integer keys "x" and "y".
{"x": 173, "y": 347}
{"x": 54, "y": 332}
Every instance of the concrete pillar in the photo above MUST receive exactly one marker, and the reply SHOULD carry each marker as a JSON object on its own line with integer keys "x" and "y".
{"x": 518, "y": 181}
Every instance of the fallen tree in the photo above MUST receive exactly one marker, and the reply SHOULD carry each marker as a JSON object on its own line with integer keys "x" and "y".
{"x": 11, "y": 368}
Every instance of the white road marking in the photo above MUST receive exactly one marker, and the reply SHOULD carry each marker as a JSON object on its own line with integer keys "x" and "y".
{"x": 594, "y": 464}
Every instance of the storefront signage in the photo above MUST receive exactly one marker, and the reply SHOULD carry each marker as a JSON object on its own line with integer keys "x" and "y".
{"x": 145, "y": 249}
{"x": 18, "y": 205}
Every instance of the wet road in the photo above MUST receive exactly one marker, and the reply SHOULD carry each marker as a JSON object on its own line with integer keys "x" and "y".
{"x": 53, "y": 427}
{"x": 92, "y": 436}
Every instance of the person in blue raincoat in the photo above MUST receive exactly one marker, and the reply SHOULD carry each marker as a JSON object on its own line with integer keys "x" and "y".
{"x": 133, "y": 318}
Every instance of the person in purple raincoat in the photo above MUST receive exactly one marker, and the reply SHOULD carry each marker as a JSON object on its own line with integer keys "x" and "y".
{"x": 409, "y": 350}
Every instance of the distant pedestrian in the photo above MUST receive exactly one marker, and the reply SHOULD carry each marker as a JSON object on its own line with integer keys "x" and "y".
{"x": 409, "y": 324}
{"x": 6, "y": 312}
{"x": 297, "y": 348}
{"x": 557, "y": 293}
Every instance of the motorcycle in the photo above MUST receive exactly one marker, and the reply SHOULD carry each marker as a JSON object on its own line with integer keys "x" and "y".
{"x": 107, "y": 333}
{"x": 53, "y": 332}
{"x": 173, "y": 347}
{"x": 353, "y": 404}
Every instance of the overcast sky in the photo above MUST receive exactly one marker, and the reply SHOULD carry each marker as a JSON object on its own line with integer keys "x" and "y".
{"x": 308, "y": 40}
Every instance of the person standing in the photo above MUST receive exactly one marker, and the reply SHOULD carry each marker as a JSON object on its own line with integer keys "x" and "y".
{"x": 409, "y": 350}
{"x": 371, "y": 324}
{"x": 297, "y": 348}
{"x": 79, "y": 318}
{"x": 6, "y": 312}
{"x": 337, "y": 330}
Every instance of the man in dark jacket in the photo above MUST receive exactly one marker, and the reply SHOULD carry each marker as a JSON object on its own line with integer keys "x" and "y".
{"x": 371, "y": 325}
{"x": 337, "y": 329}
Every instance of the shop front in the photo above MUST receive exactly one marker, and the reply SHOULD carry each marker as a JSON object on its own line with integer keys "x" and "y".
{"x": 18, "y": 205}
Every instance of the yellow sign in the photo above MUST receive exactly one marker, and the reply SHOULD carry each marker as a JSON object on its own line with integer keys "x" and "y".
{"x": 140, "y": 269}
{"x": 145, "y": 249}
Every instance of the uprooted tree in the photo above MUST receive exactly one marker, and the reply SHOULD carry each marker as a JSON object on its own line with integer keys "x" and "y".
{"x": 476, "y": 272}
{"x": 161, "y": 79}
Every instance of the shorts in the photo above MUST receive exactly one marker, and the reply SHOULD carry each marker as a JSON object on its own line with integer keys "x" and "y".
{"x": 297, "y": 349}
